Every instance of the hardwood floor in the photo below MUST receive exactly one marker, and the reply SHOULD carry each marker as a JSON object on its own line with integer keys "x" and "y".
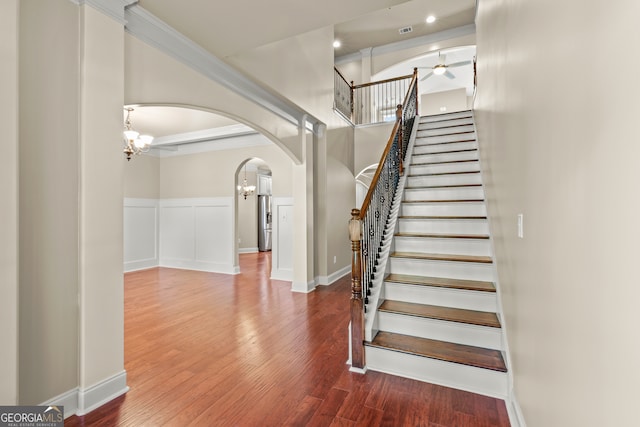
{"x": 208, "y": 349}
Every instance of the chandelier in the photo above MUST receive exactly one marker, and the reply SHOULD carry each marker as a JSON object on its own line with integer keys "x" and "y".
{"x": 134, "y": 143}
{"x": 245, "y": 189}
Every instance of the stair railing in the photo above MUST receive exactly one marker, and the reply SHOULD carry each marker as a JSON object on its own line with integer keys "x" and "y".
{"x": 367, "y": 224}
{"x": 367, "y": 103}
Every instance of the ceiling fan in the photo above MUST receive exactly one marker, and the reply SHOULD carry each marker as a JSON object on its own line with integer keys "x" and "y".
{"x": 442, "y": 68}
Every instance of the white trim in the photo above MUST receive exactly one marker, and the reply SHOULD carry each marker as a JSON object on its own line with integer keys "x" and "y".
{"x": 333, "y": 277}
{"x": 358, "y": 370}
{"x": 111, "y": 8}
{"x": 209, "y": 267}
{"x": 247, "y": 250}
{"x": 281, "y": 274}
{"x": 101, "y": 393}
{"x": 142, "y": 264}
{"x": 303, "y": 287}
{"x": 516, "y": 418}
{"x": 67, "y": 399}
{"x": 155, "y": 32}
{"x": 452, "y": 33}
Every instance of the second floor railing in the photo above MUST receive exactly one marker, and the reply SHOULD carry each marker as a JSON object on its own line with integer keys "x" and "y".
{"x": 368, "y": 224}
{"x": 373, "y": 102}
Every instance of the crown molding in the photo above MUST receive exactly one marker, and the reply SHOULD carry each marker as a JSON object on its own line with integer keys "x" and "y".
{"x": 112, "y": 8}
{"x": 155, "y": 32}
{"x": 452, "y": 33}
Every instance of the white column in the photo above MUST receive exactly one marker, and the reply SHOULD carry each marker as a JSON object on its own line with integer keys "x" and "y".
{"x": 101, "y": 342}
{"x": 303, "y": 219}
{"x": 9, "y": 205}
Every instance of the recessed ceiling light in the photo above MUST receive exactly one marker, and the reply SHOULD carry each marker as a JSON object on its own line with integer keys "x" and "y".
{"x": 431, "y": 19}
{"x": 337, "y": 44}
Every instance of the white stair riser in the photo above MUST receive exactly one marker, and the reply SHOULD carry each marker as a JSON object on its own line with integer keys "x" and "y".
{"x": 450, "y": 226}
{"x": 444, "y": 208}
{"x": 440, "y": 117}
{"x": 475, "y": 380}
{"x": 459, "y": 333}
{"x": 445, "y": 297}
{"x": 452, "y": 122}
{"x": 445, "y": 131}
{"x": 447, "y": 193}
{"x": 445, "y": 269}
{"x": 429, "y": 245}
{"x": 426, "y": 140}
{"x": 437, "y": 148}
{"x": 444, "y": 168}
{"x": 444, "y": 157}
{"x": 453, "y": 179}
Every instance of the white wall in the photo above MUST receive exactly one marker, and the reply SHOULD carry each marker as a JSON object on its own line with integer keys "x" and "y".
{"x": 49, "y": 188}
{"x": 451, "y": 100}
{"x": 197, "y": 234}
{"x": 9, "y": 206}
{"x": 248, "y": 216}
{"x": 141, "y": 233}
{"x": 142, "y": 177}
{"x": 559, "y": 144}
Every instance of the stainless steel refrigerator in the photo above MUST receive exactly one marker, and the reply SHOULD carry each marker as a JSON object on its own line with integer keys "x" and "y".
{"x": 264, "y": 223}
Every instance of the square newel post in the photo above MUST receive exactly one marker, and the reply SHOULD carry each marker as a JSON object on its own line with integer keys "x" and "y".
{"x": 357, "y": 309}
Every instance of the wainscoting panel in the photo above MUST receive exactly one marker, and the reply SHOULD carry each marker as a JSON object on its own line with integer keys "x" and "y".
{"x": 282, "y": 254}
{"x": 197, "y": 234}
{"x": 140, "y": 234}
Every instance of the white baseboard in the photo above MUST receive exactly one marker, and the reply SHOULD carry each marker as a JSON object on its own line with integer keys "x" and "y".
{"x": 247, "y": 250}
{"x": 516, "y": 418}
{"x": 81, "y": 402}
{"x": 303, "y": 287}
{"x": 211, "y": 267}
{"x": 333, "y": 277}
{"x": 140, "y": 265}
{"x": 282, "y": 274}
{"x": 69, "y": 400}
{"x": 101, "y": 393}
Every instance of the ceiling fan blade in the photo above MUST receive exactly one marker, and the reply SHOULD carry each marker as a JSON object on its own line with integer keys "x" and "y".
{"x": 449, "y": 74}
{"x": 427, "y": 76}
{"x": 459, "y": 64}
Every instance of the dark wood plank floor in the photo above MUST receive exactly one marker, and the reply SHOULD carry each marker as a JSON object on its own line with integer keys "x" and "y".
{"x": 207, "y": 349}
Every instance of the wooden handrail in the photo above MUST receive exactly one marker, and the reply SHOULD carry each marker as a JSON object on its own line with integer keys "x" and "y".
{"x": 376, "y": 176}
{"x": 367, "y": 226}
{"x": 379, "y": 82}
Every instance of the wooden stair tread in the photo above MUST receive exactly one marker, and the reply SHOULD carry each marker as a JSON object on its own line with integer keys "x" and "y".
{"x": 458, "y": 315}
{"x": 425, "y": 126}
{"x": 441, "y": 282}
{"x": 444, "y": 236}
{"x": 441, "y": 350}
{"x": 441, "y": 163}
{"x": 445, "y": 201}
{"x": 466, "y": 150}
{"x": 417, "y": 217}
{"x": 443, "y": 186}
{"x": 440, "y": 143}
{"x": 444, "y": 134}
{"x": 469, "y": 111}
{"x": 444, "y": 257}
{"x": 441, "y": 173}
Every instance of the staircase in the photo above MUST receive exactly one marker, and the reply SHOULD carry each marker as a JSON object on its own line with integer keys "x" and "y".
{"x": 437, "y": 313}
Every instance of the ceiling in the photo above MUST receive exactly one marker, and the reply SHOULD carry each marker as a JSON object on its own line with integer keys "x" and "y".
{"x": 381, "y": 27}
{"x": 231, "y": 28}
